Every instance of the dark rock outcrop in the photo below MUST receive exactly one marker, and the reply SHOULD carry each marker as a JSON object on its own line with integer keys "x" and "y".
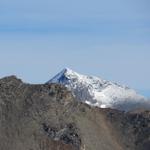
{"x": 46, "y": 117}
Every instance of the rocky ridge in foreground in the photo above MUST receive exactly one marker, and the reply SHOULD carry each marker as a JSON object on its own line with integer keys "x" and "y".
{"x": 47, "y": 117}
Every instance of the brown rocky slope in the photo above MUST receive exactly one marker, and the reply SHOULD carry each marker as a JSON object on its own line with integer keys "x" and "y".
{"x": 46, "y": 117}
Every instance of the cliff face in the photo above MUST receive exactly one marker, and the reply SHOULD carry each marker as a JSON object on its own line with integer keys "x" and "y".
{"x": 46, "y": 117}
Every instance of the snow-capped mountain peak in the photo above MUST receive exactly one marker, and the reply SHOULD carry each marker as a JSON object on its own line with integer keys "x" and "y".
{"x": 66, "y": 72}
{"x": 96, "y": 91}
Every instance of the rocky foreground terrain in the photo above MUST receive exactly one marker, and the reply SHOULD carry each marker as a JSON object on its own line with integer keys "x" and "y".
{"x": 47, "y": 117}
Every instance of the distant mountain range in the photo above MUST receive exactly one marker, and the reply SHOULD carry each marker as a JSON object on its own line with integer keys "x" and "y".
{"x": 99, "y": 92}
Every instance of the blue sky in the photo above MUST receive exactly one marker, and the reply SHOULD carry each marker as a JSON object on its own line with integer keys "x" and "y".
{"x": 110, "y": 39}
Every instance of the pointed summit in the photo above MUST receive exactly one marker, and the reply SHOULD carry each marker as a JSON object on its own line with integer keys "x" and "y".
{"x": 68, "y": 71}
{"x": 96, "y": 91}
{"x": 63, "y": 76}
{"x": 65, "y": 70}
